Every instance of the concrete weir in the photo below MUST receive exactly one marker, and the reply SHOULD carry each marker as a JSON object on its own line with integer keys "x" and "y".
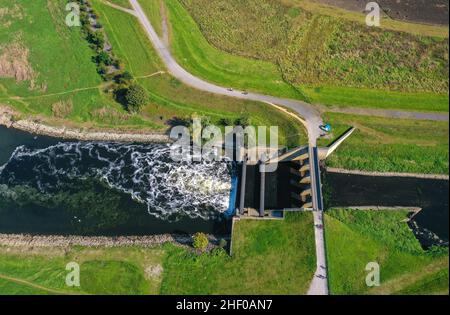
{"x": 267, "y": 194}
{"x": 294, "y": 185}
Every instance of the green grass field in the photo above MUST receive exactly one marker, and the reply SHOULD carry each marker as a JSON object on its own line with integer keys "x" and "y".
{"x": 102, "y": 270}
{"x": 331, "y": 58}
{"x": 355, "y": 238}
{"x": 196, "y": 55}
{"x": 389, "y": 145}
{"x": 270, "y": 257}
{"x": 170, "y": 98}
{"x": 71, "y": 77}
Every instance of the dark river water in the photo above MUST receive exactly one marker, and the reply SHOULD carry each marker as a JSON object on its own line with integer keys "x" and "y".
{"x": 49, "y": 186}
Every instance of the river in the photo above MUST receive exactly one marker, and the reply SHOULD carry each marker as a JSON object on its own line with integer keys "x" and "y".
{"x": 50, "y": 186}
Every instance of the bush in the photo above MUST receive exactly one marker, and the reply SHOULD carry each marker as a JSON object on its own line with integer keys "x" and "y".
{"x": 226, "y": 121}
{"x": 124, "y": 78}
{"x": 96, "y": 38}
{"x": 104, "y": 58}
{"x": 200, "y": 241}
{"x": 223, "y": 243}
{"x": 243, "y": 120}
{"x": 136, "y": 97}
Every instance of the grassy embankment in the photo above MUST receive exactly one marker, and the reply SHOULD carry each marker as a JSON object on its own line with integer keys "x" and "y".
{"x": 333, "y": 58}
{"x": 356, "y": 238}
{"x": 122, "y": 3}
{"x": 270, "y": 257}
{"x": 390, "y": 145}
{"x": 170, "y": 98}
{"x": 102, "y": 270}
{"x": 200, "y": 58}
{"x": 65, "y": 73}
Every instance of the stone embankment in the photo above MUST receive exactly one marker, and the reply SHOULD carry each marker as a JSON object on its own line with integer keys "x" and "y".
{"x": 23, "y": 240}
{"x": 387, "y": 174}
{"x": 7, "y": 119}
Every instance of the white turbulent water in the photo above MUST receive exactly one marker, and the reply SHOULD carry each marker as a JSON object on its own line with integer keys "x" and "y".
{"x": 145, "y": 172}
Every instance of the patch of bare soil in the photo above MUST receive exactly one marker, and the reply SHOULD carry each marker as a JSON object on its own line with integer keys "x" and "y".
{"x": 422, "y": 11}
{"x": 14, "y": 62}
{"x": 152, "y": 272}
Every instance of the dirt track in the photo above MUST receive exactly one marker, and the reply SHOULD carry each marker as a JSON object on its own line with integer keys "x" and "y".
{"x": 423, "y": 11}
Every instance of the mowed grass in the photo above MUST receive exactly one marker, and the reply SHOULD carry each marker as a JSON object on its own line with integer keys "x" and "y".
{"x": 122, "y": 3}
{"x": 61, "y": 61}
{"x": 389, "y": 145}
{"x": 331, "y": 58}
{"x": 195, "y": 54}
{"x": 59, "y": 56}
{"x": 67, "y": 74}
{"x": 153, "y": 9}
{"x": 169, "y": 97}
{"x": 355, "y": 238}
{"x": 269, "y": 257}
{"x": 369, "y": 98}
{"x": 102, "y": 270}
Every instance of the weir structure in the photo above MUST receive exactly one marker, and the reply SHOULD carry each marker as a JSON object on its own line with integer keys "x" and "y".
{"x": 295, "y": 185}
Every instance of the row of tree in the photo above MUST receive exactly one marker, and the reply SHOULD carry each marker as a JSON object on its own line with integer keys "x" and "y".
{"x": 129, "y": 93}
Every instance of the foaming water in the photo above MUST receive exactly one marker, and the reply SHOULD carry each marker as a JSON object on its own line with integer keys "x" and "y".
{"x": 146, "y": 172}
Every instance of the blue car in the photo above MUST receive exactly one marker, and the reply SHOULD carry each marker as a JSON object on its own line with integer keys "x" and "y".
{"x": 326, "y": 128}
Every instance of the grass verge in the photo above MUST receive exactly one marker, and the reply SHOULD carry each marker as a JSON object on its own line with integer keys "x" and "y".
{"x": 102, "y": 270}
{"x": 390, "y": 145}
{"x": 269, "y": 257}
{"x": 356, "y": 238}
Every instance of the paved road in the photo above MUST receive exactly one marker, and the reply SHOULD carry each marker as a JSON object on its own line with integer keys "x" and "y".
{"x": 310, "y": 114}
{"x": 319, "y": 285}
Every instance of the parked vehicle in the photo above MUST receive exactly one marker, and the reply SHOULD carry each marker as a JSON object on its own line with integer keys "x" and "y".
{"x": 327, "y": 128}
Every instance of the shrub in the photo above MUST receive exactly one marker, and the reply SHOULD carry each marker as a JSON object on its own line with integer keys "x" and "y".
{"x": 226, "y": 121}
{"x": 223, "y": 243}
{"x": 124, "y": 78}
{"x": 102, "y": 70}
{"x": 200, "y": 241}
{"x": 105, "y": 58}
{"x": 243, "y": 120}
{"x": 136, "y": 97}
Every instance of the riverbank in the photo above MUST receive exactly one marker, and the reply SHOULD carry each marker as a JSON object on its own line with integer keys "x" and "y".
{"x": 41, "y": 241}
{"x": 7, "y": 119}
{"x": 387, "y": 174}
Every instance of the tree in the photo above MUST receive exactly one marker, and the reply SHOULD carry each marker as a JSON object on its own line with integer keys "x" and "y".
{"x": 136, "y": 97}
{"x": 200, "y": 241}
{"x": 124, "y": 78}
{"x": 104, "y": 58}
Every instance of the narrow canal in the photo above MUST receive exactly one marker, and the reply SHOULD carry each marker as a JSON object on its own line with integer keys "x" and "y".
{"x": 431, "y": 225}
